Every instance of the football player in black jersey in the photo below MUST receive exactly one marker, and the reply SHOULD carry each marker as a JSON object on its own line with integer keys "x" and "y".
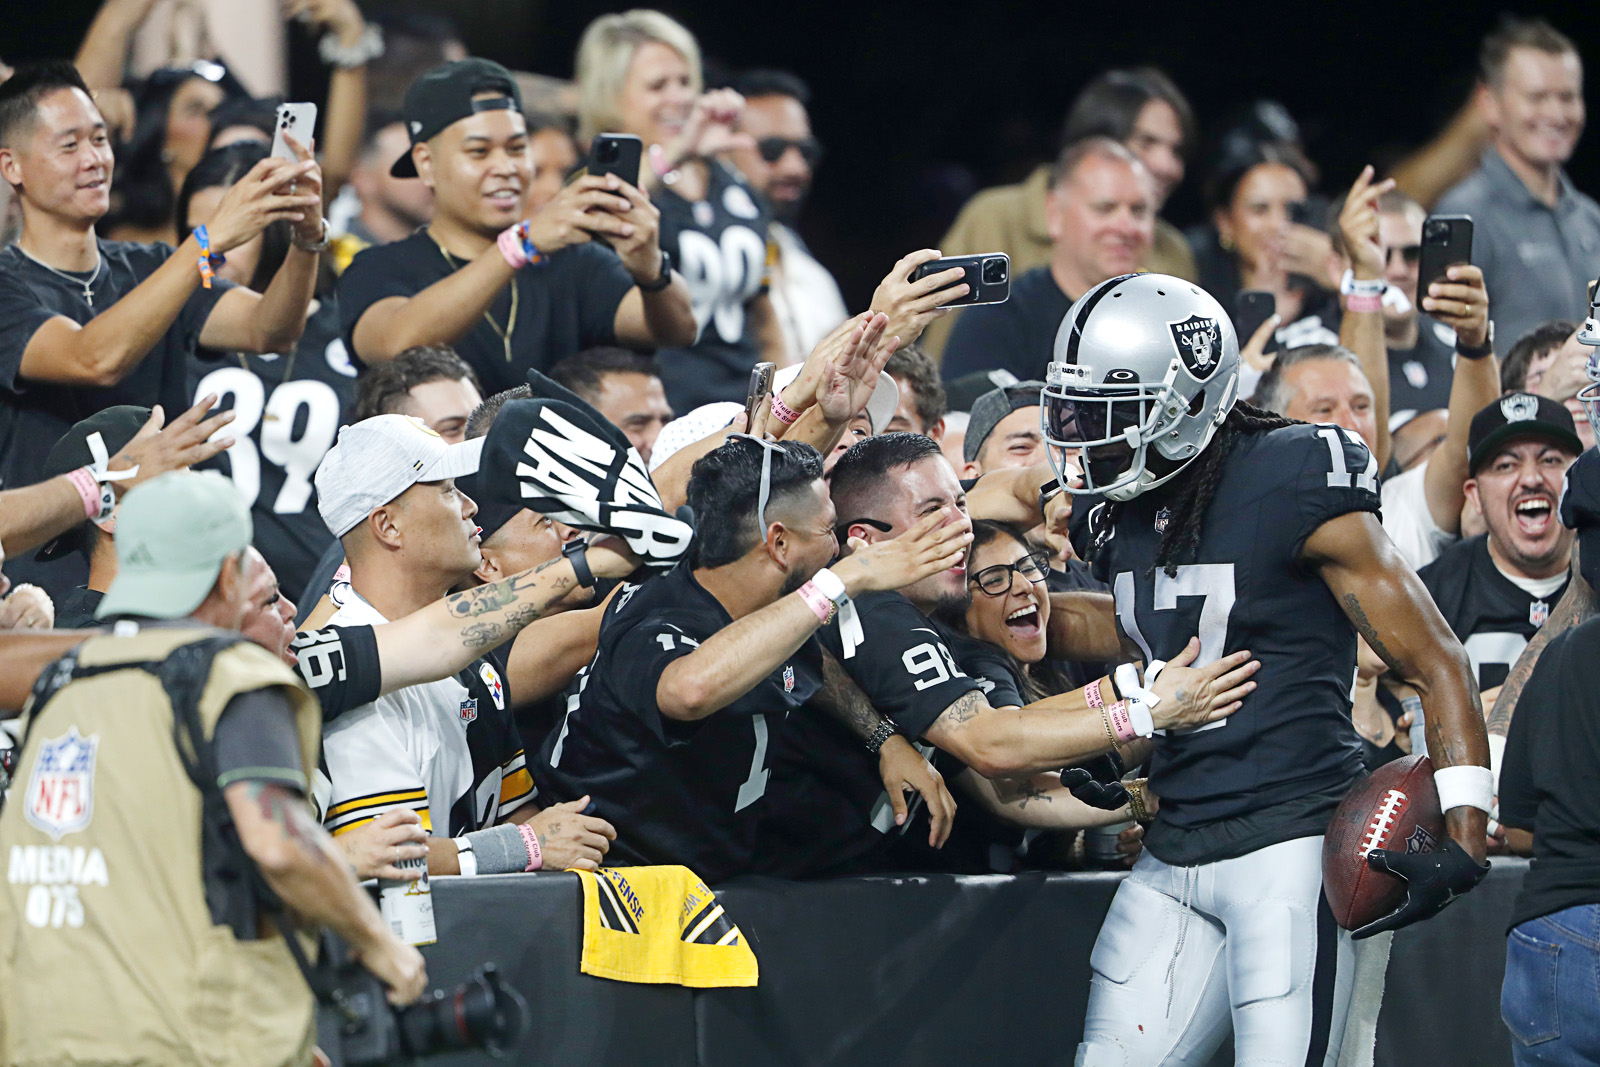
{"x": 830, "y": 814}
{"x": 1496, "y": 590}
{"x": 700, "y": 672}
{"x": 1264, "y": 533}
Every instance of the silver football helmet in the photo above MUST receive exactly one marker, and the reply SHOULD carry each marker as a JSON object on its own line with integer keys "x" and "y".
{"x": 1589, "y": 334}
{"x": 1146, "y": 367}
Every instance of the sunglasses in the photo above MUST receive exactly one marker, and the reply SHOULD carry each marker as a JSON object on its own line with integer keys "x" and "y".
{"x": 1412, "y": 254}
{"x": 772, "y": 149}
{"x": 996, "y": 580}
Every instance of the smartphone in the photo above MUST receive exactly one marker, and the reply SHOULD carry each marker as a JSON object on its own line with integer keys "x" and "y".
{"x": 1251, "y": 308}
{"x": 987, "y": 274}
{"x": 616, "y": 153}
{"x": 760, "y": 388}
{"x": 1446, "y": 241}
{"x": 1312, "y": 211}
{"x": 298, "y": 120}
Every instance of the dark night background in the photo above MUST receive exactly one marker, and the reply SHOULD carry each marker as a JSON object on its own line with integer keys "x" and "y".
{"x": 916, "y": 102}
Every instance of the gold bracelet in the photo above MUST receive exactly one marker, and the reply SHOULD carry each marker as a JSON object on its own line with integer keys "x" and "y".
{"x": 1136, "y": 799}
{"x": 1111, "y": 733}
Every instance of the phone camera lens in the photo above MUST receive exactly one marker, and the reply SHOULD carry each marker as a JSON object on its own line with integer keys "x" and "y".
{"x": 994, "y": 272}
{"x": 607, "y": 152}
{"x": 1435, "y": 230}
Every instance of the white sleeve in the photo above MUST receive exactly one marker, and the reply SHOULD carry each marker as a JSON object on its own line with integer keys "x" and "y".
{"x": 372, "y": 770}
{"x": 1407, "y": 520}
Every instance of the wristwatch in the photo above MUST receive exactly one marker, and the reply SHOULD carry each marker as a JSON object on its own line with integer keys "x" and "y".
{"x": 662, "y": 280}
{"x": 1485, "y": 349}
{"x": 318, "y": 246}
{"x": 574, "y": 551}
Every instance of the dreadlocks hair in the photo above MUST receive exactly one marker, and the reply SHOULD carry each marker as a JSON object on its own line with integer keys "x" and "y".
{"x": 1195, "y": 487}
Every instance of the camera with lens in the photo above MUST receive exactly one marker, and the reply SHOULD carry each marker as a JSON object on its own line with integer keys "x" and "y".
{"x": 607, "y": 151}
{"x": 996, "y": 270}
{"x": 482, "y": 1012}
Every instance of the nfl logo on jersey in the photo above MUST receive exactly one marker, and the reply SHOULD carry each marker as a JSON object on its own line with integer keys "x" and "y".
{"x": 1538, "y": 612}
{"x": 61, "y": 788}
{"x": 469, "y": 709}
{"x": 788, "y": 678}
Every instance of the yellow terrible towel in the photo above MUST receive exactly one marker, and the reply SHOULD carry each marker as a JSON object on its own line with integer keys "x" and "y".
{"x": 660, "y": 924}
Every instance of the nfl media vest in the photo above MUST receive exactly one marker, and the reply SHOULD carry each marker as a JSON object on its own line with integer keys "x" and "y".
{"x": 108, "y": 951}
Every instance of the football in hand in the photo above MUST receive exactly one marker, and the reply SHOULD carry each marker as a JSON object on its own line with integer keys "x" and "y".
{"x": 1396, "y": 807}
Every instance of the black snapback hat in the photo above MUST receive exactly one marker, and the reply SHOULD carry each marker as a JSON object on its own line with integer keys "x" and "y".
{"x": 1519, "y": 415}
{"x": 116, "y": 425}
{"x": 444, "y": 96}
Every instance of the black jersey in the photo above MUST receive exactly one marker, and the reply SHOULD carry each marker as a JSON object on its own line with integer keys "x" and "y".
{"x": 1491, "y": 615}
{"x": 1420, "y": 377}
{"x": 721, "y": 247}
{"x": 1247, "y": 589}
{"x": 677, "y": 792}
{"x": 288, "y": 410}
{"x": 1580, "y": 511}
{"x": 828, "y": 812}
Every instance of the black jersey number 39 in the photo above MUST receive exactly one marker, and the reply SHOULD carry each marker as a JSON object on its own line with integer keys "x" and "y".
{"x": 263, "y": 428}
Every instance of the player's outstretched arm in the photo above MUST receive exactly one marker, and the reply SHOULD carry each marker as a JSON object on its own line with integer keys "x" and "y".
{"x": 1388, "y": 605}
{"x": 1075, "y": 725}
{"x": 1083, "y": 627}
{"x": 733, "y": 660}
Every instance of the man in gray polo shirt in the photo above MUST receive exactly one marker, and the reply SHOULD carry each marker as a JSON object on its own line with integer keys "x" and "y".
{"x": 1537, "y": 238}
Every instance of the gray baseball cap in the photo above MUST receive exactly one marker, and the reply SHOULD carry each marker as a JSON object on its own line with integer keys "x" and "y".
{"x": 991, "y": 407}
{"x": 377, "y": 459}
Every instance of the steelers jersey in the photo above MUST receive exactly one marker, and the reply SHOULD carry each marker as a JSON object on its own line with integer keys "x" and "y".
{"x": 287, "y": 414}
{"x": 1491, "y": 615}
{"x": 688, "y": 793}
{"x": 447, "y": 749}
{"x": 1247, "y": 589}
{"x": 828, "y": 811}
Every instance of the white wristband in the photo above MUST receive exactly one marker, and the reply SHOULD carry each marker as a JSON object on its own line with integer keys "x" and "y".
{"x": 465, "y": 856}
{"x": 1350, "y": 285}
{"x": 1139, "y": 699}
{"x": 1497, "y": 758}
{"x": 1469, "y": 786}
{"x": 831, "y": 586}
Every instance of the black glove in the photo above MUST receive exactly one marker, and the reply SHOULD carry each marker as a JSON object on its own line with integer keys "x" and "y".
{"x": 1097, "y": 782}
{"x": 1433, "y": 880}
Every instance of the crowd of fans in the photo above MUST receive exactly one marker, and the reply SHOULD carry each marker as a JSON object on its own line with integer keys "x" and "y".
{"x": 174, "y": 295}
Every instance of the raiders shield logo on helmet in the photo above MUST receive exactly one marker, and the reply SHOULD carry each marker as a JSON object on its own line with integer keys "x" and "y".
{"x": 1199, "y": 344}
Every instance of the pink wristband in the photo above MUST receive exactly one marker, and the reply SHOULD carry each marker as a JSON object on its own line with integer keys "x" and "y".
{"x": 510, "y": 243}
{"x": 817, "y": 601}
{"x": 531, "y": 839}
{"x": 1120, "y": 722}
{"x": 1091, "y": 693}
{"x": 1361, "y": 303}
{"x": 783, "y": 412}
{"x": 88, "y": 489}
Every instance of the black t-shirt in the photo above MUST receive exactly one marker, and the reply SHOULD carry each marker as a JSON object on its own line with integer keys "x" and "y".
{"x": 677, "y": 792}
{"x": 1018, "y": 335}
{"x": 565, "y": 304}
{"x": 1491, "y": 615}
{"x": 1292, "y": 739}
{"x": 1580, "y": 511}
{"x": 1420, "y": 376}
{"x": 76, "y": 611}
{"x": 827, "y": 811}
{"x": 288, "y": 414}
{"x": 340, "y": 665}
{"x": 1551, "y": 775}
{"x": 34, "y": 415}
{"x": 721, "y": 247}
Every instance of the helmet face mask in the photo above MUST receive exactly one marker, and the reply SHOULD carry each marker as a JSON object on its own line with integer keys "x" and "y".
{"x": 1589, "y": 395}
{"x": 1146, "y": 367}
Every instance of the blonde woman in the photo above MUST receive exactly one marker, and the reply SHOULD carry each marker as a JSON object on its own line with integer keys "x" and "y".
{"x": 639, "y": 73}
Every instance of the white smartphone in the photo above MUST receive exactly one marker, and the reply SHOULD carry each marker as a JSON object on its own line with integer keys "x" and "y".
{"x": 297, "y": 120}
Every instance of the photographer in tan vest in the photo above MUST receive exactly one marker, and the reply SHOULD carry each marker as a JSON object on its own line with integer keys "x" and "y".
{"x": 160, "y": 763}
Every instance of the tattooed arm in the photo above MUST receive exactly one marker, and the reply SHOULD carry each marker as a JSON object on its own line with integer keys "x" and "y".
{"x": 1576, "y": 604}
{"x": 446, "y": 636}
{"x": 301, "y": 863}
{"x": 1388, "y": 605}
{"x": 1038, "y": 800}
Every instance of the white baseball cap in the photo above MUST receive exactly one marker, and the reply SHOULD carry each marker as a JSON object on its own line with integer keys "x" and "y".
{"x": 685, "y": 430}
{"x": 377, "y": 459}
{"x": 880, "y": 406}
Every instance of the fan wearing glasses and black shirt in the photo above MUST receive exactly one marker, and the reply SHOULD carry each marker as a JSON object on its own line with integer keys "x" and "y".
{"x": 781, "y": 163}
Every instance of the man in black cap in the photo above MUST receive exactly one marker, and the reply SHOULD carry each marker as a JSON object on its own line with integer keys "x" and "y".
{"x": 507, "y": 291}
{"x": 1003, "y": 430}
{"x": 1497, "y": 589}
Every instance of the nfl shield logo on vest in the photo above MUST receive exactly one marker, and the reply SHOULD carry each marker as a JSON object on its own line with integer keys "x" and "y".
{"x": 469, "y": 709}
{"x": 1538, "y": 612}
{"x": 788, "y": 678}
{"x": 61, "y": 788}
